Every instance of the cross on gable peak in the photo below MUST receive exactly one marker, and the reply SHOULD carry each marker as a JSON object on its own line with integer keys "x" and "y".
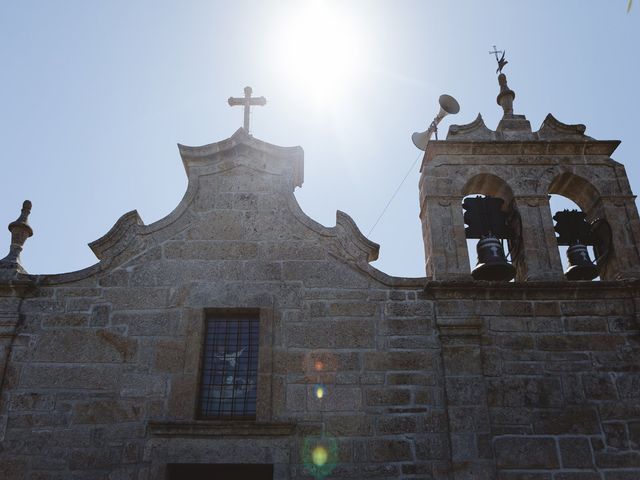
{"x": 247, "y": 102}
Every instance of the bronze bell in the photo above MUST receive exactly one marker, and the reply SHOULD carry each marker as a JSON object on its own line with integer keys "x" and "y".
{"x": 580, "y": 265}
{"x": 492, "y": 263}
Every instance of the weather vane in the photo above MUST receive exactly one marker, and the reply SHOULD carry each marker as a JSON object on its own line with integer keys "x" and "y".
{"x": 501, "y": 61}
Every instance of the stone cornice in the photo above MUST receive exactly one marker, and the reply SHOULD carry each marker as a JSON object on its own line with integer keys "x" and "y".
{"x": 510, "y": 148}
{"x": 535, "y": 290}
{"x": 220, "y": 428}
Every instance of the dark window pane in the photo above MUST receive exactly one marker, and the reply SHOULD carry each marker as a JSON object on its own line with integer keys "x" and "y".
{"x": 229, "y": 370}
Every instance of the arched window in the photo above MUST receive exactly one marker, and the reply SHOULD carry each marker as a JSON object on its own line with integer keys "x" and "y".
{"x": 489, "y": 227}
{"x": 583, "y": 237}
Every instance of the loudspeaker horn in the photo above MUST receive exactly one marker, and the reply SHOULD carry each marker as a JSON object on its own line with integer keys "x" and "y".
{"x": 448, "y": 106}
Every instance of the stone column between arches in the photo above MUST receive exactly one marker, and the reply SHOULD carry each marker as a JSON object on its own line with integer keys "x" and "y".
{"x": 445, "y": 244}
{"x": 538, "y": 258}
{"x": 623, "y": 261}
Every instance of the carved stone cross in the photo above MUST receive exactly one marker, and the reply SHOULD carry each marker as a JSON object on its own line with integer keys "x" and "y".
{"x": 247, "y": 101}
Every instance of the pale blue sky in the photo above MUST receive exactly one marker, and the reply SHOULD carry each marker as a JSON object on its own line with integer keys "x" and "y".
{"x": 96, "y": 94}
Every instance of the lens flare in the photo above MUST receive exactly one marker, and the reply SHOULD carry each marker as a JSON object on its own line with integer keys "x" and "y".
{"x": 319, "y": 456}
{"x": 319, "y": 391}
{"x": 321, "y": 49}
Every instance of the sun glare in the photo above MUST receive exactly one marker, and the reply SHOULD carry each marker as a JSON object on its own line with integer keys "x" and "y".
{"x": 320, "y": 50}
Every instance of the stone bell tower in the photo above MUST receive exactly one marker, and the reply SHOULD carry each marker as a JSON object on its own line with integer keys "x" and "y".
{"x": 523, "y": 168}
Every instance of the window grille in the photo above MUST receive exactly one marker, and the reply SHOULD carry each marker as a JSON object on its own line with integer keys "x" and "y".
{"x": 230, "y": 367}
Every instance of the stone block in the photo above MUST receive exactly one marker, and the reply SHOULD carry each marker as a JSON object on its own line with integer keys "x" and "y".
{"x": 575, "y": 420}
{"x": 623, "y": 324}
{"x": 414, "y": 342}
{"x": 523, "y": 476}
{"x": 576, "y": 452}
{"x": 585, "y": 324}
{"x": 417, "y": 308}
{"x": 37, "y": 420}
{"x": 546, "y": 309}
{"x": 417, "y": 469}
{"x": 348, "y": 425}
{"x": 182, "y": 395}
{"x": 145, "y": 323}
{"x": 337, "y": 398}
{"x": 422, "y": 379}
{"x": 429, "y": 396}
{"x": 66, "y": 320}
{"x": 621, "y": 460}
{"x": 90, "y": 459}
{"x": 296, "y": 398}
{"x": 515, "y": 342}
{"x": 84, "y": 346}
{"x": 524, "y": 392}
{"x": 209, "y": 250}
{"x": 595, "y": 307}
{"x": 397, "y": 360}
{"x": 74, "y": 377}
{"x": 595, "y": 342}
{"x": 376, "y": 397}
{"x": 465, "y": 390}
{"x": 433, "y": 422}
{"x": 629, "y": 385}
{"x": 634, "y": 435}
{"x": 291, "y": 250}
{"x": 142, "y": 385}
{"x": 322, "y": 274}
{"x": 455, "y": 308}
{"x": 397, "y": 425}
{"x": 169, "y": 356}
{"x": 106, "y": 412}
{"x": 621, "y": 475}
{"x": 516, "y": 308}
{"x": 462, "y": 360}
{"x": 132, "y": 298}
{"x": 599, "y": 387}
{"x": 406, "y": 326}
{"x": 288, "y": 361}
{"x": 100, "y": 315}
{"x": 616, "y": 435}
{"x": 507, "y": 324}
{"x": 526, "y": 453}
{"x": 432, "y": 446}
{"x": 343, "y": 333}
{"x": 544, "y": 324}
{"x": 383, "y": 450}
{"x": 31, "y": 401}
{"x": 353, "y": 309}
{"x": 577, "y": 476}
{"x": 13, "y": 469}
{"x": 468, "y": 418}
{"x": 254, "y": 270}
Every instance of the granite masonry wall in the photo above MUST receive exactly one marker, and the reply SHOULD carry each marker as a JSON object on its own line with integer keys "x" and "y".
{"x": 442, "y": 380}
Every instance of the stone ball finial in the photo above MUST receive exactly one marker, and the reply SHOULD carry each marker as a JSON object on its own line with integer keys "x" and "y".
{"x": 20, "y": 231}
{"x": 506, "y": 96}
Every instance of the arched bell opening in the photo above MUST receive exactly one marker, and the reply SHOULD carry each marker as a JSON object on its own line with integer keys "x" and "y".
{"x": 490, "y": 228}
{"x": 584, "y": 240}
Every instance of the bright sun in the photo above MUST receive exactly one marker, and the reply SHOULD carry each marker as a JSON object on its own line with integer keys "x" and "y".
{"x": 320, "y": 50}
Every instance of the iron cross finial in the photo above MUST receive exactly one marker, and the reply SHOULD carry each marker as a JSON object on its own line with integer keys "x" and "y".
{"x": 247, "y": 102}
{"x": 501, "y": 61}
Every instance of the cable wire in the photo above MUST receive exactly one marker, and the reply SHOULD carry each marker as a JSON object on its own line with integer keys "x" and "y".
{"x": 395, "y": 193}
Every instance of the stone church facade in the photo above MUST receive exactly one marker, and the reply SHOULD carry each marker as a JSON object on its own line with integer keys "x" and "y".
{"x": 110, "y": 372}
